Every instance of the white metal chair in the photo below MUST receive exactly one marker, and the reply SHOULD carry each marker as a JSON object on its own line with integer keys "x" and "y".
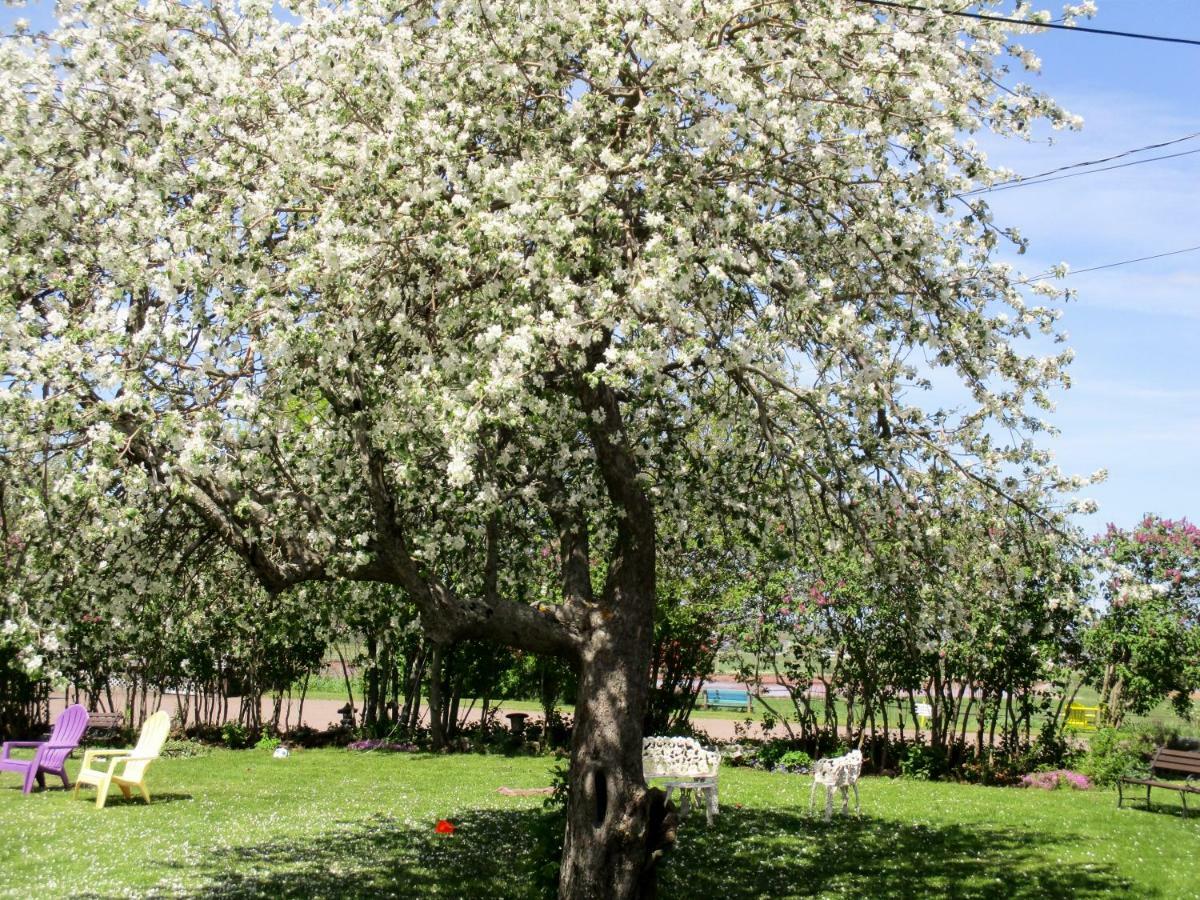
{"x": 839, "y": 773}
{"x": 684, "y": 766}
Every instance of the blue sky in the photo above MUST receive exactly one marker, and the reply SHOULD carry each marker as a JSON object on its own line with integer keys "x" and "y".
{"x": 1134, "y": 408}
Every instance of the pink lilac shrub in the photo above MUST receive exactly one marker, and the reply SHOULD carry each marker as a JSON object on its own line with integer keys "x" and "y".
{"x": 1049, "y": 781}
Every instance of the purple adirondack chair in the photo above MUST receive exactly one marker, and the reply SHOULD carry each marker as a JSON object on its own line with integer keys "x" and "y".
{"x": 51, "y": 754}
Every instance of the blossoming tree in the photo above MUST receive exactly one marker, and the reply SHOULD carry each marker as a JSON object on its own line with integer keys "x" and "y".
{"x": 398, "y": 291}
{"x": 30, "y": 640}
{"x": 971, "y": 606}
{"x": 1145, "y": 645}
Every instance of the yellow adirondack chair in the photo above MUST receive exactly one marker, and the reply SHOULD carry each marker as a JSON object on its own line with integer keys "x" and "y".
{"x": 135, "y": 762}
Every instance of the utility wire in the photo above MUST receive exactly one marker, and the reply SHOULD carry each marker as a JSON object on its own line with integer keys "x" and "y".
{"x": 1025, "y": 179}
{"x": 986, "y": 18}
{"x": 1113, "y": 265}
{"x": 1037, "y": 179}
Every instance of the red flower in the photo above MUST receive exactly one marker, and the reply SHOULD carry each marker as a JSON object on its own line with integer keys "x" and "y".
{"x": 444, "y": 827}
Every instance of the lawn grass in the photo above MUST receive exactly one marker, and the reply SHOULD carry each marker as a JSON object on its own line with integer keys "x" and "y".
{"x": 332, "y": 823}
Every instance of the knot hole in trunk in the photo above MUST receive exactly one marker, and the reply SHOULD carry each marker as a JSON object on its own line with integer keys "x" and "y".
{"x": 600, "y": 794}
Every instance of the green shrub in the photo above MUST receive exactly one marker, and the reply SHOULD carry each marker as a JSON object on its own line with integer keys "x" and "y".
{"x": 923, "y": 763}
{"x": 771, "y": 752}
{"x": 234, "y": 736}
{"x": 1114, "y": 753}
{"x": 1152, "y": 735}
{"x": 1051, "y": 750}
{"x": 738, "y": 755}
{"x": 267, "y": 742}
{"x": 185, "y": 749}
{"x": 796, "y": 759}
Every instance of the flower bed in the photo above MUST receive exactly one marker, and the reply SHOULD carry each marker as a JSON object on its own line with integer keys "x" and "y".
{"x": 1049, "y": 781}
{"x": 386, "y": 746}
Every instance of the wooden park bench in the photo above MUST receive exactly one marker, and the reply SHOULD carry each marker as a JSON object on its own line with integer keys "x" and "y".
{"x": 727, "y": 698}
{"x": 1184, "y": 762}
{"x": 105, "y": 725}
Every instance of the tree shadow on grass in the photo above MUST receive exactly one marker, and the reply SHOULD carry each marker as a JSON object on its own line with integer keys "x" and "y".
{"x": 16, "y": 787}
{"x": 116, "y": 799}
{"x": 491, "y": 854}
{"x": 746, "y": 854}
{"x": 1162, "y": 808}
{"x": 759, "y": 853}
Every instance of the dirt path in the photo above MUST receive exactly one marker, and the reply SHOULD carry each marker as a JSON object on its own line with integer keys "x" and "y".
{"x": 322, "y": 714}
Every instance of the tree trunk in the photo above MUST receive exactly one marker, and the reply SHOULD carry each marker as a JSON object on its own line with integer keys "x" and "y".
{"x": 614, "y": 822}
{"x": 452, "y": 723}
{"x": 1115, "y": 710}
{"x": 617, "y": 828}
{"x": 1109, "y": 672}
{"x": 346, "y": 678}
{"x": 371, "y": 701}
{"x": 436, "y": 733}
{"x": 303, "y": 694}
{"x": 414, "y": 674}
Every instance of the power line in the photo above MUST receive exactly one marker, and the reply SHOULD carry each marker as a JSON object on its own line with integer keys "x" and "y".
{"x": 1028, "y": 23}
{"x": 1026, "y": 179}
{"x": 1036, "y": 179}
{"x": 1126, "y": 262}
{"x": 1113, "y": 265}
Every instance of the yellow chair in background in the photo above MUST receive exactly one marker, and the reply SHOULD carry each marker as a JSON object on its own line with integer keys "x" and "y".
{"x": 1083, "y": 718}
{"x": 135, "y": 762}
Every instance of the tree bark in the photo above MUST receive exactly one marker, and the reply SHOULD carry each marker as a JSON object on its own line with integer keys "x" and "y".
{"x": 346, "y": 678}
{"x": 372, "y": 702}
{"x": 303, "y": 694}
{"x": 1115, "y": 703}
{"x": 436, "y": 732}
{"x": 616, "y": 826}
{"x": 414, "y": 675}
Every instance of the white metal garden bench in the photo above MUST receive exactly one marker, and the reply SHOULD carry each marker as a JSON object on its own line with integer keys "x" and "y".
{"x": 684, "y": 765}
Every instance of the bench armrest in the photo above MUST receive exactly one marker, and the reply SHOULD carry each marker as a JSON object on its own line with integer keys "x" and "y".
{"x": 123, "y": 760}
{"x": 8, "y": 745}
{"x": 89, "y": 755}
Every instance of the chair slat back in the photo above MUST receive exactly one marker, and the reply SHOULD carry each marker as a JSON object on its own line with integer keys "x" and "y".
{"x": 1184, "y": 761}
{"x": 64, "y": 736}
{"x": 149, "y": 745}
{"x": 678, "y": 757}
